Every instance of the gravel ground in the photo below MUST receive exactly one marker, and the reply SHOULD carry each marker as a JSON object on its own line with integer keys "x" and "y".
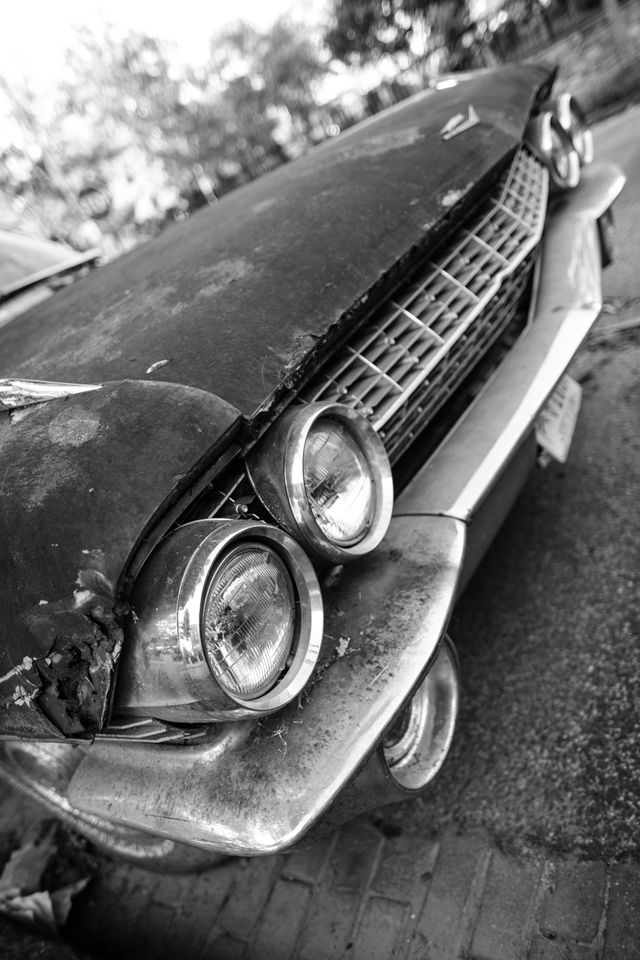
{"x": 547, "y": 754}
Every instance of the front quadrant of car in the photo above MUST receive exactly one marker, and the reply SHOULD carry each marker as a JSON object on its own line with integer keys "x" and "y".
{"x": 240, "y": 467}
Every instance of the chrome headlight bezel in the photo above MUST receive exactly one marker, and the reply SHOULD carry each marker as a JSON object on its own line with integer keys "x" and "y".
{"x": 169, "y": 599}
{"x": 276, "y": 470}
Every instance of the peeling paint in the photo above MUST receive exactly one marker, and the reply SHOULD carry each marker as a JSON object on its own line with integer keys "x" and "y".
{"x": 73, "y": 427}
{"x": 26, "y": 664}
{"x": 453, "y": 196}
{"x": 23, "y": 697}
{"x": 221, "y": 274}
{"x": 382, "y": 143}
{"x": 81, "y": 598}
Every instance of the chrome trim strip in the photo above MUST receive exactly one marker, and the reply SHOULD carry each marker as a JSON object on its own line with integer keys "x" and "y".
{"x": 22, "y": 393}
{"x": 471, "y": 458}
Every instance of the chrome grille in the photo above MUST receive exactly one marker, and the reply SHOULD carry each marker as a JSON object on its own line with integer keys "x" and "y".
{"x": 420, "y": 345}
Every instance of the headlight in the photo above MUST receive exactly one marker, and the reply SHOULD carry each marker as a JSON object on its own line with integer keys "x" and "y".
{"x": 249, "y": 620}
{"x": 324, "y": 475}
{"x": 573, "y": 120}
{"x": 227, "y": 624}
{"x": 547, "y": 140}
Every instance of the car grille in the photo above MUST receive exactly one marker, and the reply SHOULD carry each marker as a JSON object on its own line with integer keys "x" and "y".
{"x": 421, "y": 345}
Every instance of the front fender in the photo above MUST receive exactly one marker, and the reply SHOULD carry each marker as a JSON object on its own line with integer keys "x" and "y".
{"x": 84, "y": 480}
{"x": 256, "y": 788}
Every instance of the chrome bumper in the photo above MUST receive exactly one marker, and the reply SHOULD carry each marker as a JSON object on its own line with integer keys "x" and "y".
{"x": 257, "y": 788}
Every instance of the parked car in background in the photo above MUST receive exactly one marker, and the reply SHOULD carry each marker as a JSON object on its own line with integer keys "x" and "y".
{"x": 30, "y": 270}
{"x": 248, "y": 468}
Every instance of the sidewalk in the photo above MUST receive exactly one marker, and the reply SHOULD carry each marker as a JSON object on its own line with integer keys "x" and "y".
{"x": 364, "y": 897}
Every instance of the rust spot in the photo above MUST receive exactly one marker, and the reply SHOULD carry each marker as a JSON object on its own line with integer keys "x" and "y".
{"x": 73, "y": 427}
{"x": 380, "y": 144}
{"x": 218, "y": 276}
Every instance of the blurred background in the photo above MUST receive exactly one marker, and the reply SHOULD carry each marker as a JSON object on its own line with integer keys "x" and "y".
{"x": 118, "y": 119}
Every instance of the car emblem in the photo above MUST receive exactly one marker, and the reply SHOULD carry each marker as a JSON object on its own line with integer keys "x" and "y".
{"x": 459, "y": 124}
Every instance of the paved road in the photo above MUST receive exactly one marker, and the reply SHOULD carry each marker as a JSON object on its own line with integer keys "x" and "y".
{"x": 545, "y": 764}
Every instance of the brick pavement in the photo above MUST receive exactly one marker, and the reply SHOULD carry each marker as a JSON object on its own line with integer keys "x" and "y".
{"x": 362, "y": 896}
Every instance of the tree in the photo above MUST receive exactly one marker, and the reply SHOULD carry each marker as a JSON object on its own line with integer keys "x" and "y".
{"x": 267, "y": 75}
{"x": 363, "y": 30}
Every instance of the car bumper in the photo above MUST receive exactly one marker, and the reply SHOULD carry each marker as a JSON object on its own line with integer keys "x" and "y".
{"x": 258, "y": 787}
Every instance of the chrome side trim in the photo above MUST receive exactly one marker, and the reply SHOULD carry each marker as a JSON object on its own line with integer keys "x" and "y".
{"x": 471, "y": 458}
{"x": 258, "y": 789}
{"x": 22, "y": 393}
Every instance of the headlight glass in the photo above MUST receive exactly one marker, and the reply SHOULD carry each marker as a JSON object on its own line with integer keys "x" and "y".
{"x": 338, "y": 482}
{"x": 249, "y": 620}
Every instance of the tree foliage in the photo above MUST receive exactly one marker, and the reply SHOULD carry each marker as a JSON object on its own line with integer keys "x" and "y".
{"x": 362, "y": 30}
{"x": 128, "y": 114}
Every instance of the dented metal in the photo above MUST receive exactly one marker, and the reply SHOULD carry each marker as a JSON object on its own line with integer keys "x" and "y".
{"x": 83, "y": 480}
{"x": 256, "y": 788}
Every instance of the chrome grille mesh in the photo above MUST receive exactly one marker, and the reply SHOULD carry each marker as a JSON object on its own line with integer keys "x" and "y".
{"x": 420, "y": 345}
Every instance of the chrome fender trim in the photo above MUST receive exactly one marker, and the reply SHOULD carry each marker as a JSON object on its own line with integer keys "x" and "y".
{"x": 257, "y": 788}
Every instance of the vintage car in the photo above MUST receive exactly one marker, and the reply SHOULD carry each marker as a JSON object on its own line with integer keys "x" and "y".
{"x": 219, "y": 628}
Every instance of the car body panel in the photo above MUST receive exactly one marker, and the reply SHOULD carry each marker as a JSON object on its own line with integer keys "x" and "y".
{"x": 243, "y": 298}
{"x": 83, "y": 478}
{"x": 258, "y": 788}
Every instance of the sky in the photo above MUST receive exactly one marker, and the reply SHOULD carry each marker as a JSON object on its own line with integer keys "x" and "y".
{"x": 35, "y": 33}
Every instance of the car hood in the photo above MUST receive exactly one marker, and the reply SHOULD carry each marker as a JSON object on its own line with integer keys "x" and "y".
{"x": 244, "y": 297}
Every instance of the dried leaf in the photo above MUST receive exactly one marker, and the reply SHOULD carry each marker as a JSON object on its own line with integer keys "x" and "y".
{"x": 26, "y": 865}
{"x": 62, "y": 899}
{"x": 20, "y": 898}
{"x": 34, "y": 909}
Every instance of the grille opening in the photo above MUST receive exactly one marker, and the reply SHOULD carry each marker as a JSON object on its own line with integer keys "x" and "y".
{"x": 420, "y": 345}
{"x": 427, "y": 440}
{"x": 426, "y": 353}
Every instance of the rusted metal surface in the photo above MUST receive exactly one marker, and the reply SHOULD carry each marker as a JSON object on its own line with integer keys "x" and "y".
{"x": 249, "y": 294}
{"x": 82, "y": 481}
{"x": 258, "y": 787}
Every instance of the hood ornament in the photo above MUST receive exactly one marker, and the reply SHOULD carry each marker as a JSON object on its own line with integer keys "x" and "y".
{"x": 459, "y": 124}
